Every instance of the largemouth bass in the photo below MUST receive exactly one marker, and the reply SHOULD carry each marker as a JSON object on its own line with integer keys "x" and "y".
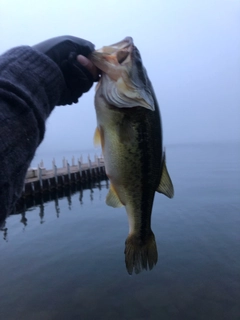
{"x": 129, "y": 130}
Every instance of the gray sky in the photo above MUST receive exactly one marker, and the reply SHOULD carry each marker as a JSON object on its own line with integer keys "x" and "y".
{"x": 191, "y": 50}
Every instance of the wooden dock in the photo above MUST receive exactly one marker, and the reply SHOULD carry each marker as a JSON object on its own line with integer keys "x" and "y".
{"x": 55, "y": 195}
{"x": 39, "y": 180}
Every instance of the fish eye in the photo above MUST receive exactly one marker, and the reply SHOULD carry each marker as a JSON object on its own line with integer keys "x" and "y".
{"x": 122, "y": 56}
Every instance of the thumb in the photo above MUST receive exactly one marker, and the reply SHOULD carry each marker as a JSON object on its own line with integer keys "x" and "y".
{"x": 85, "y": 62}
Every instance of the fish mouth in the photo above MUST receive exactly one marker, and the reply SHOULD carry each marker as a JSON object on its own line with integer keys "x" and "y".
{"x": 110, "y": 59}
{"x": 124, "y": 44}
{"x": 124, "y": 82}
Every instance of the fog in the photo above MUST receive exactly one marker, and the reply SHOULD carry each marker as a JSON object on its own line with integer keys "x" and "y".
{"x": 191, "y": 50}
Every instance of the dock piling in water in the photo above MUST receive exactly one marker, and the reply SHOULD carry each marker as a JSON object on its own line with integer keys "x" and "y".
{"x": 80, "y": 167}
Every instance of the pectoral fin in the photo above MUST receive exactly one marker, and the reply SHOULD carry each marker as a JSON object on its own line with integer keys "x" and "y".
{"x": 97, "y": 137}
{"x": 112, "y": 199}
{"x": 165, "y": 185}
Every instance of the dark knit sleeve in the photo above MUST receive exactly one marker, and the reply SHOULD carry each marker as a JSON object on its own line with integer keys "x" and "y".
{"x": 30, "y": 87}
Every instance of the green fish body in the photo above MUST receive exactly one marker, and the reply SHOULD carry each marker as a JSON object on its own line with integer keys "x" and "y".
{"x": 130, "y": 133}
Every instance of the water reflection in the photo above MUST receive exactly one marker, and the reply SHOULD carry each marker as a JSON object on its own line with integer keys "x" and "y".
{"x": 55, "y": 195}
{"x": 140, "y": 252}
{"x": 24, "y": 219}
{"x": 41, "y": 213}
{"x": 4, "y": 230}
{"x": 40, "y": 200}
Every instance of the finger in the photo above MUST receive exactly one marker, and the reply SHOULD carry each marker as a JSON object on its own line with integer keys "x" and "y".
{"x": 88, "y": 65}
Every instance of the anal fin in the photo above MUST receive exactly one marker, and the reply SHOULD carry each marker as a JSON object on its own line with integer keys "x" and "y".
{"x": 112, "y": 199}
{"x": 165, "y": 185}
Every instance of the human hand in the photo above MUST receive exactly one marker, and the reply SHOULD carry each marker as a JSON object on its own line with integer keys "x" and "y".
{"x": 70, "y": 54}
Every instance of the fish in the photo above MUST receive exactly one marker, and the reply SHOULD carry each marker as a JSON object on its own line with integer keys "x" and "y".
{"x": 129, "y": 131}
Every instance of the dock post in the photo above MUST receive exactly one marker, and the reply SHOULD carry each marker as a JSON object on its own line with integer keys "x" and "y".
{"x": 73, "y": 161}
{"x": 40, "y": 176}
{"x": 90, "y": 164}
{"x": 23, "y": 191}
{"x": 64, "y": 162}
{"x": 53, "y": 163}
{"x": 80, "y": 167}
{"x": 55, "y": 173}
{"x": 68, "y": 170}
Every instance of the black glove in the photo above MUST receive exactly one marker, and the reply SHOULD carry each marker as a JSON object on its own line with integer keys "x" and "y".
{"x": 63, "y": 51}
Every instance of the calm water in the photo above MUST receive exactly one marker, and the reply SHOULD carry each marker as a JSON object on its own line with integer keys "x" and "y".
{"x": 64, "y": 259}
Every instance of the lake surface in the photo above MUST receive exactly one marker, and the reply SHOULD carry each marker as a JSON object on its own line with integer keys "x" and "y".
{"x": 64, "y": 259}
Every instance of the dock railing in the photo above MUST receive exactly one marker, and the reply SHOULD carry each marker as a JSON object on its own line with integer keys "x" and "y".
{"x": 40, "y": 179}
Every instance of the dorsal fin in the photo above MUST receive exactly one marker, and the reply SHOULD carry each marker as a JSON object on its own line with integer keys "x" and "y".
{"x": 112, "y": 199}
{"x": 165, "y": 185}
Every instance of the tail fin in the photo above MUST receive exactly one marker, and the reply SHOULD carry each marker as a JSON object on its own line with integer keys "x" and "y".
{"x": 140, "y": 254}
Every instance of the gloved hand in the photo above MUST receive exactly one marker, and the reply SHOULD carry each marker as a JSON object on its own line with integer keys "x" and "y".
{"x": 69, "y": 54}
